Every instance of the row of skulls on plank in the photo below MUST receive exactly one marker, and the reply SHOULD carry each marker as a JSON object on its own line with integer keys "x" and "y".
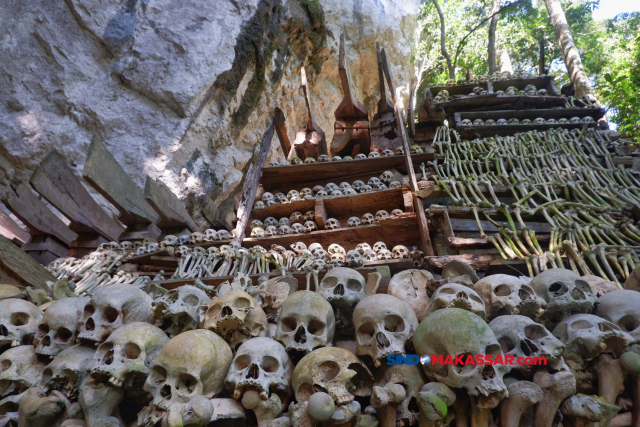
{"x": 186, "y": 357}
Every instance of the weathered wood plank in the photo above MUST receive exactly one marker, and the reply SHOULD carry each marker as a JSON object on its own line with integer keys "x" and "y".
{"x": 105, "y": 174}
{"x": 476, "y": 261}
{"x": 251, "y": 182}
{"x": 45, "y": 243}
{"x": 141, "y": 231}
{"x": 320, "y": 213}
{"x": 166, "y": 203}
{"x": 55, "y": 181}
{"x": 21, "y": 267}
{"x": 460, "y": 224}
{"x": 478, "y": 243}
{"x": 407, "y": 199}
{"x": 281, "y": 130}
{"x": 24, "y": 204}
{"x": 11, "y": 230}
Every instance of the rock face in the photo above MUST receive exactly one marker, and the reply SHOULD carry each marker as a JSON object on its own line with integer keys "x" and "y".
{"x": 182, "y": 90}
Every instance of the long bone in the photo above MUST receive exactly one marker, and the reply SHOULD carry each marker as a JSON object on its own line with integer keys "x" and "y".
{"x": 555, "y": 387}
{"x": 522, "y": 396}
{"x": 386, "y": 400}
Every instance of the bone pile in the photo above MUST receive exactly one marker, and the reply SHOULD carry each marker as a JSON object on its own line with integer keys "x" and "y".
{"x": 228, "y": 260}
{"x": 267, "y": 354}
{"x": 557, "y": 175}
{"x": 323, "y": 158}
{"x": 537, "y": 121}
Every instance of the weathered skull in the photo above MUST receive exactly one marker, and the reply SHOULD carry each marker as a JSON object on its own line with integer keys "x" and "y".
{"x": 520, "y": 336}
{"x": 18, "y": 321}
{"x": 575, "y": 120}
{"x": 374, "y": 154}
{"x": 504, "y": 294}
{"x": 384, "y": 324}
{"x": 334, "y": 371}
{"x": 180, "y": 309}
{"x": 416, "y": 149}
{"x": 513, "y": 121}
{"x": 332, "y": 224}
{"x": 270, "y": 221}
{"x": 587, "y": 119}
{"x": 57, "y": 329}
{"x": 394, "y": 184}
{"x": 310, "y": 226}
{"x": 381, "y": 214}
{"x": 466, "y": 122}
{"x": 111, "y": 307}
{"x": 309, "y": 216}
{"x": 266, "y": 197}
{"x": 551, "y": 121}
{"x": 261, "y": 364}
{"x": 370, "y": 256}
{"x": 360, "y": 156}
{"x": 354, "y": 259}
{"x": 511, "y": 90}
{"x": 257, "y": 232}
{"x": 490, "y": 122}
{"x": 297, "y": 228}
{"x": 377, "y": 246}
{"x": 387, "y": 177}
{"x": 622, "y": 308}
{"x": 283, "y": 230}
{"x": 368, "y": 219}
{"x": 459, "y": 296}
{"x": 298, "y": 247}
{"x": 564, "y": 292}
{"x": 539, "y": 121}
{"x": 259, "y": 205}
{"x": 502, "y": 121}
{"x": 306, "y": 192}
{"x": 295, "y": 217}
{"x": 366, "y": 189}
{"x": 127, "y": 355}
{"x": 373, "y": 181}
{"x": 400, "y": 151}
{"x": 339, "y": 259}
{"x": 454, "y": 331}
{"x": 195, "y": 237}
{"x": 236, "y": 317}
{"x": 336, "y": 159}
{"x": 478, "y": 122}
{"x": 525, "y": 122}
{"x": 292, "y": 193}
{"x": 385, "y": 254}
{"x": 411, "y": 287}
{"x": 400, "y": 252}
{"x": 306, "y": 322}
{"x": 193, "y": 363}
{"x": 354, "y": 221}
{"x": 323, "y": 158}
{"x": 68, "y": 371}
{"x": 411, "y": 378}
{"x": 563, "y": 120}
{"x": 387, "y": 153}
{"x": 335, "y": 248}
{"x": 271, "y": 231}
{"x": 224, "y": 235}
{"x": 20, "y": 369}
{"x": 586, "y": 336}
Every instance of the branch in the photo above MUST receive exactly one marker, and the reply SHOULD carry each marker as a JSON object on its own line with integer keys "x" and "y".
{"x": 455, "y": 62}
{"x": 452, "y": 71}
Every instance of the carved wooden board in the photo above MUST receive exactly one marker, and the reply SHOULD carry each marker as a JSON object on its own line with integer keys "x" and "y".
{"x": 106, "y": 175}
{"x": 55, "y": 181}
{"x": 21, "y": 267}
{"x": 171, "y": 209}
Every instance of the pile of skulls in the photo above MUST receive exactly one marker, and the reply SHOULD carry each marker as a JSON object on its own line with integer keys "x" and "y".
{"x": 503, "y": 350}
{"x": 323, "y": 158}
{"x": 529, "y": 90}
{"x": 515, "y": 121}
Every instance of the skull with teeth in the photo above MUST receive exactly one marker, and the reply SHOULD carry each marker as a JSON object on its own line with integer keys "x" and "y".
{"x": 236, "y": 317}
{"x": 261, "y": 364}
{"x": 257, "y": 232}
{"x": 387, "y": 153}
{"x": 454, "y": 331}
{"x": 387, "y": 177}
{"x": 57, "y": 329}
{"x": 283, "y": 230}
{"x": 369, "y": 256}
{"x": 564, "y": 292}
{"x": 354, "y": 259}
{"x": 384, "y": 325}
{"x": 18, "y": 321}
{"x": 68, "y": 371}
{"x": 180, "y": 309}
{"x": 127, "y": 355}
{"x": 332, "y": 224}
{"x": 378, "y": 246}
{"x": 400, "y": 252}
{"x": 357, "y": 185}
{"x": 339, "y": 259}
{"x": 296, "y": 218}
{"x": 520, "y": 336}
{"x": 368, "y": 219}
{"x": 334, "y": 371}
{"x": 354, "y": 221}
{"x": 622, "y": 308}
{"x": 344, "y": 288}
{"x": 363, "y": 247}
{"x": 111, "y": 307}
{"x": 381, "y": 214}
{"x": 297, "y": 228}
{"x": 306, "y": 322}
{"x": 459, "y": 296}
{"x": 322, "y": 158}
{"x": 504, "y": 294}
{"x": 20, "y": 369}
{"x": 271, "y": 231}
{"x": 310, "y": 226}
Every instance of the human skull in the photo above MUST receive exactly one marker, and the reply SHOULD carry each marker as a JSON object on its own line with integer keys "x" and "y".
{"x": 478, "y": 122}
{"x": 349, "y": 192}
{"x": 57, "y": 329}
{"x": 210, "y": 234}
{"x": 335, "y": 248}
{"x": 373, "y": 181}
{"x": 380, "y": 186}
{"x": 363, "y": 247}
{"x": 525, "y": 122}
{"x": 586, "y": 336}
{"x": 298, "y": 247}
{"x": 180, "y": 309}
{"x": 502, "y": 122}
{"x": 384, "y": 325}
{"x": 574, "y": 119}
{"x": 378, "y": 246}
{"x": 297, "y": 228}
{"x": 520, "y": 336}
{"x": 195, "y": 237}
{"x": 257, "y": 232}
{"x": 513, "y": 121}
{"x": 306, "y": 192}
{"x": 360, "y": 157}
{"x": 539, "y": 121}
{"x": 564, "y": 292}
{"x": 443, "y": 93}
{"x": 543, "y": 92}
{"x": 459, "y": 296}
{"x": 411, "y": 378}
{"x": 384, "y": 254}
{"x": 190, "y": 364}
{"x": 381, "y": 214}
{"x": 306, "y": 322}
{"x": 259, "y": 205}
{"x": 332, "y": 370}
{"x": 505, "y": 294}
{"x": 18, "y": 321}
{"x": 357, "y": 185}
{"x": 386, "y": 153}
{"x": 332, "y": 224}
{"x": 346, "y": 158}
{"x": 622, "y": 308}
{"x": 415, "y": 149}
{"x": 236, "y": 317}
{"x": 374, "y": 154}
{"x": 295, "y": 217}
{"x": 366, "y": 189}
{"x": 587, "y": 119}
{"x": 490, "y": 122}
{"x": 309, "y": 216}
{"x": 453, "y": 331}
{"x": 394, "y": 184}
{"x": 68, "y": 371}
{"x": 336, "y": 159}
{"x": 354, "y": 221}
{"x": 400, "y": 252}
{"x": 127, "y": 355}
{"x": 551, "y": 121}
{"x": 354, "y": 259}
{"x": 283, "y": 230}
{"x": 339, "y": 259}
{"x": 368, "y": 219}
{"x": 224, "y": 235}
{"x": 292, "y": 193}
{"x": 466, "y": 122}
{"x": 271, "y": 231}
{"x": 270, "y": 221}
{"x": 261, "y": 364}
{"x": 511, "y": 90}
{"x": 369, "y": 256}
{"x": 400, "y": 151}
{"x": 309, "y": 160}
{"x": 111, "y": 307}
{"x": 322, "y": 158}
{"x": 295, "y": 161}
{"x": 20, "y": 370}
{"x": 411, "y": 287}
{"x": 310, "y": 226}
{"x": 387, "y": 177}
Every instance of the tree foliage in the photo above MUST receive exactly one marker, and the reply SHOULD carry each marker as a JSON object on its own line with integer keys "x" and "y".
{"x": 610, "y": 49}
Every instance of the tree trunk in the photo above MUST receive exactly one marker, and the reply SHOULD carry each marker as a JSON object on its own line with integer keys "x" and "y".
{"x": 492, "y": 36}
{"x": 505, "y": 62}
{"x": 568, "y": 49}
{"x": 452, "y": 72}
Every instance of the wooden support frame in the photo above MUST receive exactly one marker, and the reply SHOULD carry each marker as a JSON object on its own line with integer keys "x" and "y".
{"x": 281, "y": 130}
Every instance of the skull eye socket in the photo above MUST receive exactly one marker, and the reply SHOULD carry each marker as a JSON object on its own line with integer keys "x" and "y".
{"x": 492, "y": 349}
{"x": 558, "y": 289}
{"x": 328, "y": 370}
{"x": 46, "y": 376}
{"x": 71, "y": 376}
{"x": 502, "y": 290}
{"x": 507, "y": 344}
{"x": 466, "y": 368}
{"x": 475, "y": 298}
{"x": 628, "y": 323}
{"x": 88, "y": 310}
{"x": 270, "y": 364}
{"x": 43, "y": 329}
{"x": 288, "y": 324}
{"x": 187, "y": 383}
{"x": 243, "y": 361}
{"x": 158, "y": 375}
{"x": 607, "y": 327}
{"x": 535, "y": 332}
{"x": 329, "y": 282}
{"x": 191, "y": 300}
{"x": 583, "y": 286}
{"x": 354, "y": 285}
{"x": 131, "y": 351}
{"x": 366, "y": 331}
{"x": 446, "y": 290}
{"x": 19, "y": 319}
{"x": 5, "y": 364}
{"x": 242, "y": 303}
{"x": 110, "y": 314}
{"x": 393, "y": 323}
{"x": 214, "y": 310}
{"x": 580, "y": 324}
{"x": 63, "y": 335}
{"x": 316, "y": 327}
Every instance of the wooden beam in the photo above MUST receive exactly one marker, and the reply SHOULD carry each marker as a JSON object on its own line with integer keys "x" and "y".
{"x": 56, "y": 182}
{"x": 166, "y": 203}
{"x": 24, "y": 204}
{"x": 23, "y": 269}
{"x": 251, "y": 182}
{"x": 105, "y": 174}
{"x": 281, "y": 130}
{"x": 475, "y": 261}
{"x": 11, "y": 230}
{"x": 350, "y": 107}
{"x": 320, "y": 213}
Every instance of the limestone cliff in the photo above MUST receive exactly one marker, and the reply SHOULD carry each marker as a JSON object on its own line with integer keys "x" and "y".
{"x": 182, "y": 90}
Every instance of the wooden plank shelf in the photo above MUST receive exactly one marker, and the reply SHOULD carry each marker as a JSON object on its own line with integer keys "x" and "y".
{"x": 494, "y": 101}
{"x": 294, "y": 176}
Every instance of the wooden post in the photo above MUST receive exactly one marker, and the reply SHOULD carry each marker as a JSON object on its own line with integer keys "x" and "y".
{"x": 427, "y": 247}
{"x": 251, "y": 182}
{"x": 281, "y": 130}
{"x": 541, "y": 64}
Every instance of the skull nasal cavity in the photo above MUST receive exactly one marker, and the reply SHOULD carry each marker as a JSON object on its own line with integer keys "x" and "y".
{"x": 557, "y": 289}
{"x": 527, "y": 347}
{"x": 339, "y": 290}
{"x": 226, "y": 311}
{"x": 46, "y": 341}
{"x": 90, "y": 325}
{"x": 382, "y": 340}
{"x": 254, "y": 372}
{"x": 301, "y": 335}
{"x": 3, "y": 330}
{"x": 165, "y": 391}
